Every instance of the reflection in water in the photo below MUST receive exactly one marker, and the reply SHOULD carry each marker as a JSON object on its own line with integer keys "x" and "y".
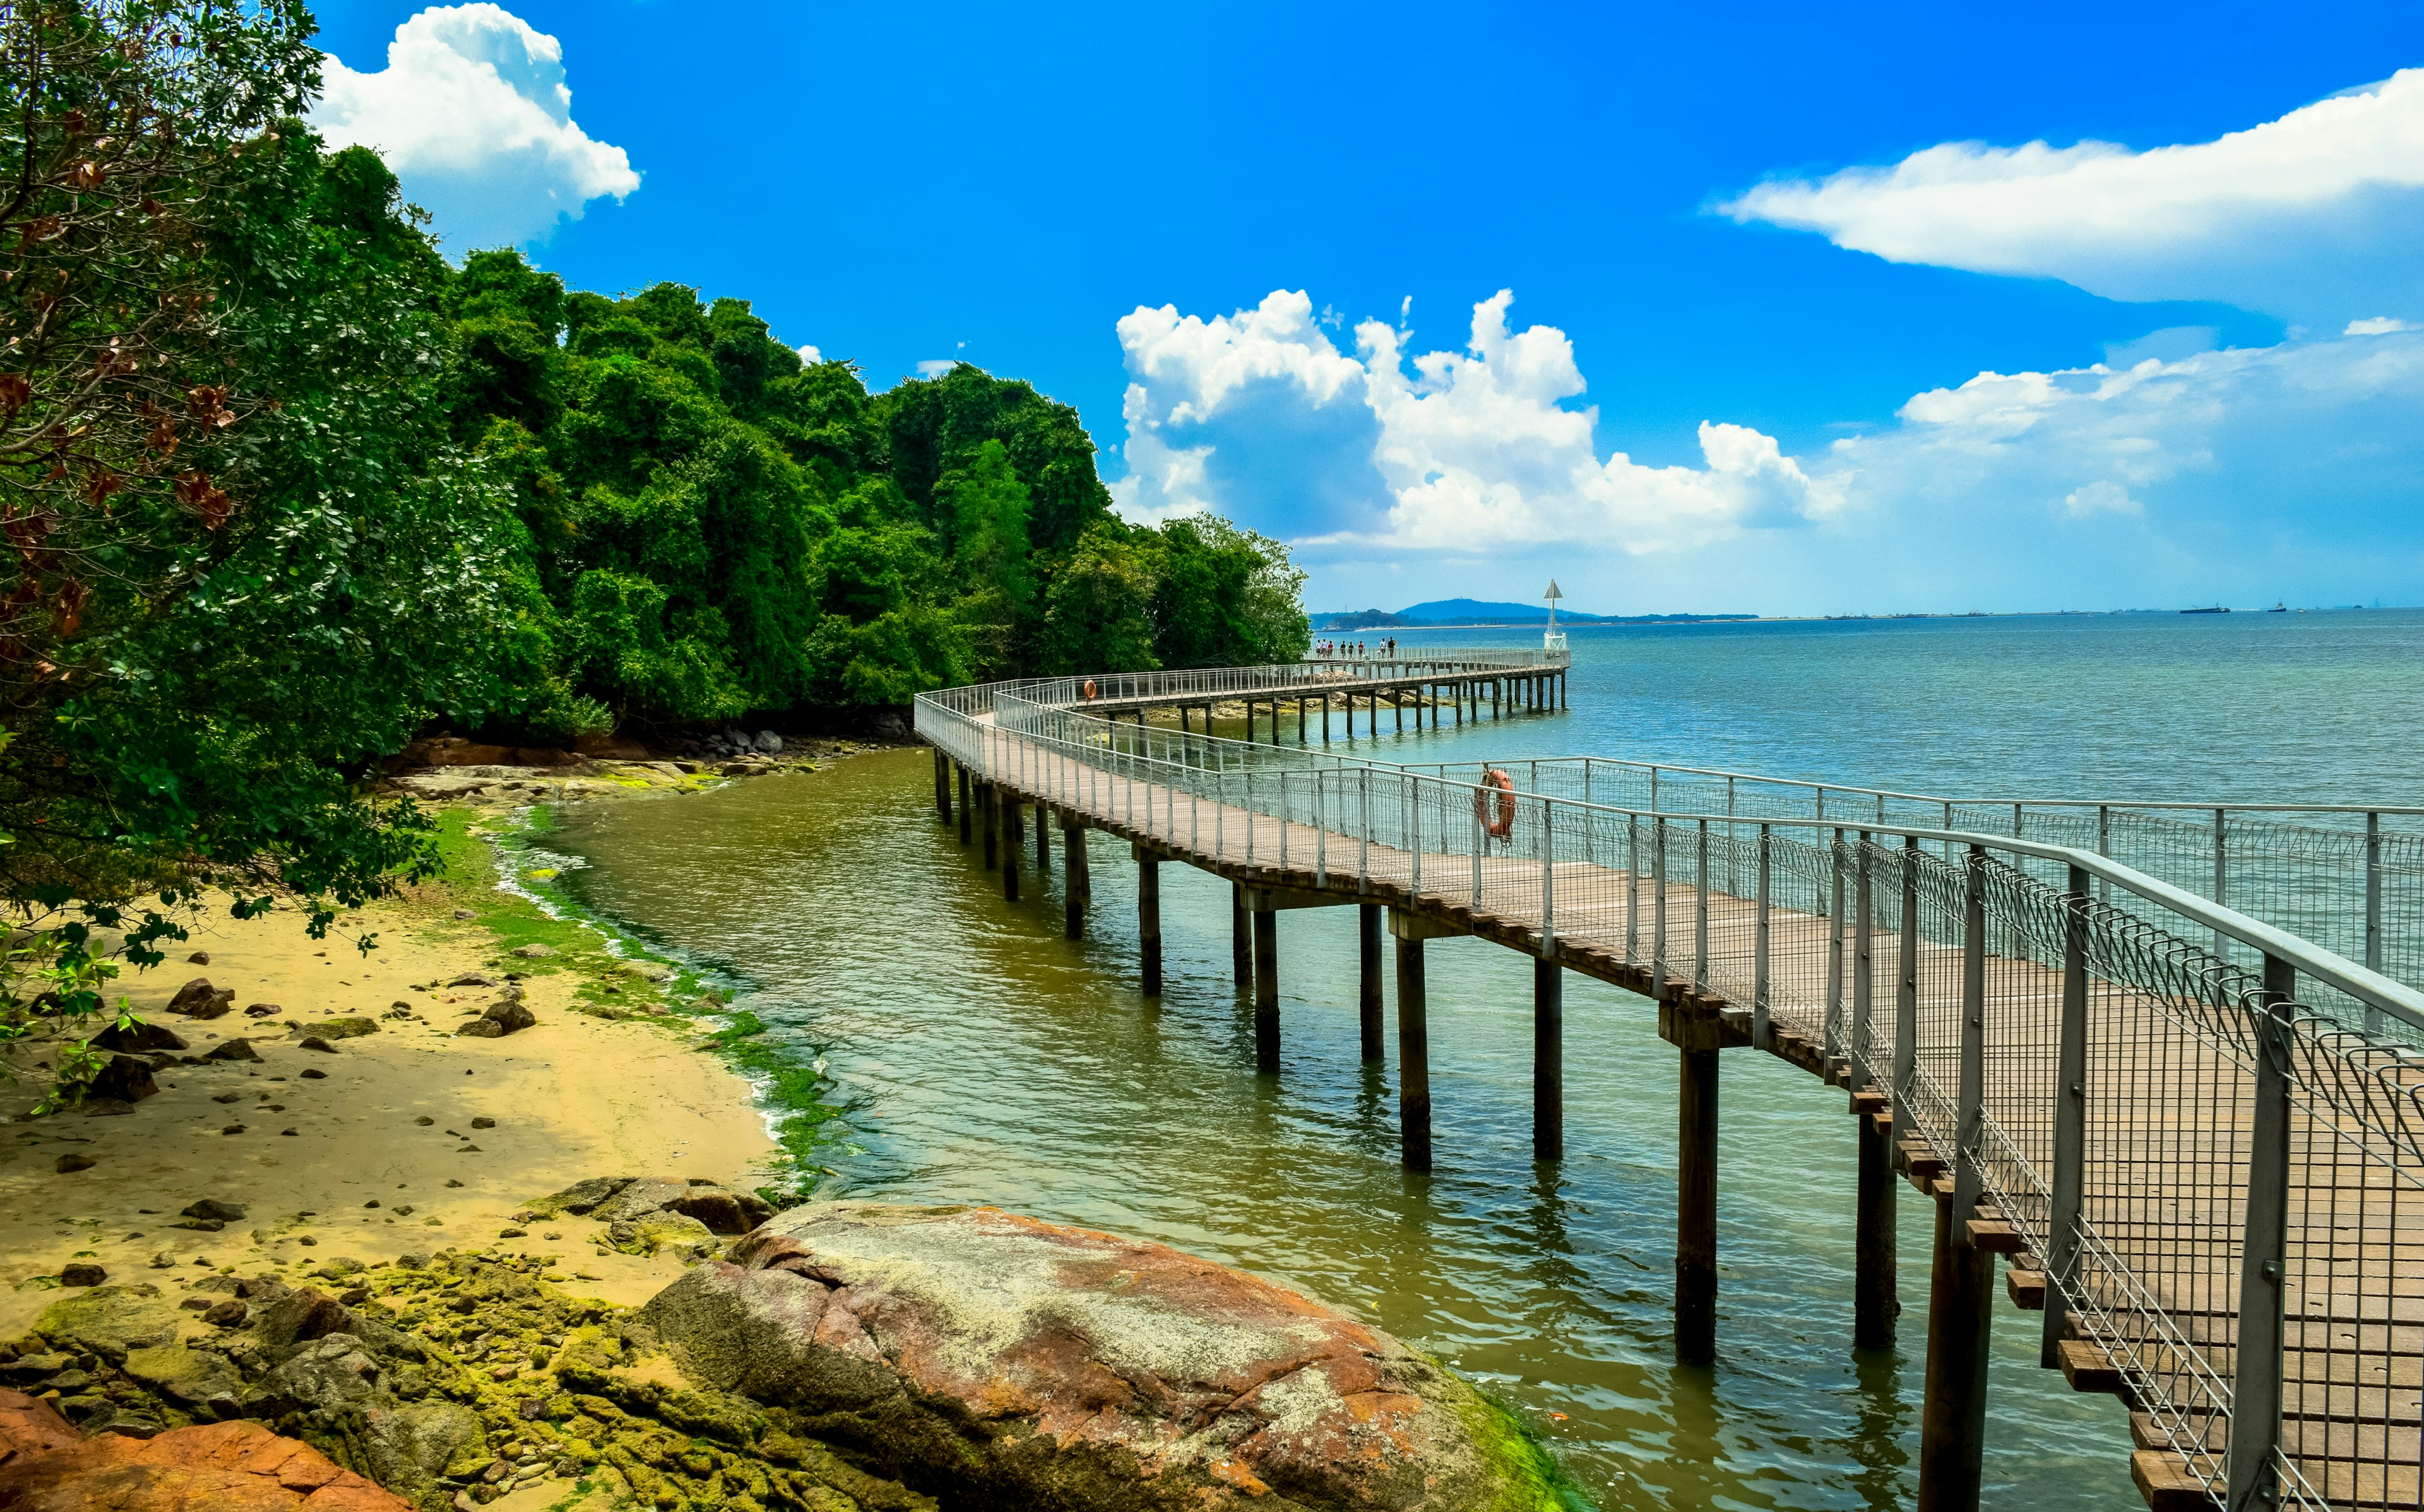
{"x": 1876, "y": 1444}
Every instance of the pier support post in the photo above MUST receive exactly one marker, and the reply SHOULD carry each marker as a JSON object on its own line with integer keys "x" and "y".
{"x": 1325, "y": 719}
{"x": 988, "y": 800}
{"x": 1043, "y": 840}
{"x": 1267, "y": 991}
{"x": 967, "y": 809}
{"x": 1008, "y": 844}
{"x": 1299, "y": 719}
{"x": 1953, "y": 1414}
{"x": 1696, "y": 1210}
{"x": 941, "y": 786}
{"x": 1414, "y": 1058}
{"x": 1549, "y": 1061}
{"x": 1149, "y": 919}
{"x": 1368, "y": 934}
{"x": 1875, "y": 1306}
{"x": 1076, "y": 889}
{"x": 1241, "y": 939}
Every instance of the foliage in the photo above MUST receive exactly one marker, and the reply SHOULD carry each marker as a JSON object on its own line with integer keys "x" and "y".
{"x": 247, "y": 563}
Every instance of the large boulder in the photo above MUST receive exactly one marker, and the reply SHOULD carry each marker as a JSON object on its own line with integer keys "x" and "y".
{"x": 996, "y": 1361}
{"x": 45, "y": 1466}
{"x": 110, "y": 1321}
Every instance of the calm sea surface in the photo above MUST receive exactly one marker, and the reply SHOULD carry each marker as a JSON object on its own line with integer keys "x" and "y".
{"x": 988, "y": 1059}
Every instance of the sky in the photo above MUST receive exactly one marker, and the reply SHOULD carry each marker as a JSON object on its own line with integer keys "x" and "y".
{"x": 1789, "y": 310}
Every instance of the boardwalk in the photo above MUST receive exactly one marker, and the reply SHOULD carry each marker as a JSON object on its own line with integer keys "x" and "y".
{"x": 1926, "y": 974}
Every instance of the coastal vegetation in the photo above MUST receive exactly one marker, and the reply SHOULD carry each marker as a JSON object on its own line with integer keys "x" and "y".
{"x": 284, "y": 488}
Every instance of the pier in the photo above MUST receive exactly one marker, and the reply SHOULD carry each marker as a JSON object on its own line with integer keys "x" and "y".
{"x": 2113, "y": 1042}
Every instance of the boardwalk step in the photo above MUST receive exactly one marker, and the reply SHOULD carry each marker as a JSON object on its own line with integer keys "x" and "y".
{"x": 2166, "y": 1484}
{"x": 2087, "y": 1367}
{"x": 1995, "y": 1236}
{"x": 1870, "y": 1100}
{"x": 2026, "y": 1288}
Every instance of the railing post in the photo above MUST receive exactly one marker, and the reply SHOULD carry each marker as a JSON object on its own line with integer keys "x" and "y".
{"x": 1865, "y": 976}
{"x": 1970, "y": 1121}
{"x": 1632, "y": 887}
{"x": 1414, "y": 837}
{"x": 1835, "y": 1046}
{"x": 2069, "y": 1123}
{"x": 2256, "y": 1381}
{"x": 2104, "y": 848}
{"x": 1658, "y": 921}
{"x": 1906, "y": 1056}
{"x": 1320, "y": 835}
{"x": 1548, "y": 879}
{"x": 2372, "y": 910}
{"x": 1701, "y": 914}
{"x": 1363, "y": 836}
{"x": 2221, "y": 877}
{"x": 1759, "y": 1030}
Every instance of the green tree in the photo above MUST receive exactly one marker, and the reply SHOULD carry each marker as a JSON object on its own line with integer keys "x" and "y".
{"x": 1098, "y": 616}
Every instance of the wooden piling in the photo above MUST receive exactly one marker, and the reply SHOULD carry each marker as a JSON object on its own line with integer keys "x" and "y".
{"x": 1009, "y": 810}
{"x": 1149, "y": 920}
{"x": 941, "y": 786}
{"x": 1548, "y": 1060}
{"x": 991, "y": 825}
{"x": 1367, "y": 936}
{"x": 1043, "y": 842}
{"x": 1414, "y": 1059}
{"x": 1325, "y": 719}
{"x": 1874, "y": 1304}
{"x": 1077, "y": 886}
{"x": 967, "y": 809}
{"x": 1241, "y": 944}
{"x": 1696, "y": 1210}
{"x": 1267, "y": 991}
{"x": 1952, "y": 1413}
{"x": 1299, "y": 721}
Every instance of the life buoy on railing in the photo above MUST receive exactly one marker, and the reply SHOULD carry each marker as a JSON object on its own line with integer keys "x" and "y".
{"x": 1089, "y": 690}
{"x": 1498, "y": 819}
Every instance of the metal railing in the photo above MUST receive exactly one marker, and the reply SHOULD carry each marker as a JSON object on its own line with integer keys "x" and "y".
{"x": 1309, "y": 677}
{"x": 2174, "y": 1103}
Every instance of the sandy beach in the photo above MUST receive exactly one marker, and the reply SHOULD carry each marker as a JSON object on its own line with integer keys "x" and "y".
{"x": 409, "y": 1139}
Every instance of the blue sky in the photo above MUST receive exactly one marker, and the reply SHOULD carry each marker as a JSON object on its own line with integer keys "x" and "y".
{"x": 1796, "y": 319}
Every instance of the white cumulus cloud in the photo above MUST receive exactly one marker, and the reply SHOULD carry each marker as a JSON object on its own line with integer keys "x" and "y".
{"x": 2309, "y": 216}
{"x": 2375, "y": 326}
{"x": 472, "y": 114}
{"x": 2265, "y": 471}
{"x": 1260, "y": 416}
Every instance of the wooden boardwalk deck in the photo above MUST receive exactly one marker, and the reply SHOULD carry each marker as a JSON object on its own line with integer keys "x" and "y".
{"x": 2161, "y": 1210}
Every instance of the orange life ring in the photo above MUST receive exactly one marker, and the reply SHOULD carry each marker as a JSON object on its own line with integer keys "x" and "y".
{"x": 1500, "y": 824}
{"x": 1089, "y": 690}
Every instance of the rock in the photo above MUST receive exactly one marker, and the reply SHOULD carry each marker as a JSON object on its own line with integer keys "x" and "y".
{"x": 533, "y": 952}
{"x": 768, "y": 743}
{"x": 312, "y": 1042}
{"x": 211, "y": 1208}
{"x": 412, "y": 1447}
{"x": 465, "y": 913}
{"x": 1024, "y": 1362}
{"x": 481, "y": 1028}
{"x": 199, "y": 999}
{"x": 649, "y": 970}
{"x": 125, "y": 1079}
{"x": 231, "y": 1313}
{"x": 502, "y": 1017}
{"x": 224, "y": 1467}
{"x": 74, "y": 1163}
{"x": 109, "y": 1321}
{"x": 81, "y": 1273}
{"x": 24, "y": 1370}
{"x": 611, "y": 747}
{"x": 346, "y": 1029}
{"x": 312, "y": 1073}
{"x": 325, "y": 1377}
{"x": 263, "y": 1010}
{"x": 300, "y": 1317}
{"x": 138, "y": 1038}
{"x": 472, "y": 978}
{"x": 484, "y": 1124}
{"x": 95, "y": 1107}
{"x": 234, "y": 1050}
{"x": 583, "y": 1198}
{"x": 723, "y": 1211}
{"x": 189, "y": 1378}
{"x": 657, "y": 1231}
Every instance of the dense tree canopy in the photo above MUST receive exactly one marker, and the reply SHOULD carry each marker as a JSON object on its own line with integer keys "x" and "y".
{"x": 284, "y": 488}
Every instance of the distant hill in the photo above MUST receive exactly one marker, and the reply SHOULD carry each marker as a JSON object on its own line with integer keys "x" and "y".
{"x": 1480, "y": 611}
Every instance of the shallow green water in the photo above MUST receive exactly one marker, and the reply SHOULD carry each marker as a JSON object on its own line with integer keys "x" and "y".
{"x": 991, "y": 1060}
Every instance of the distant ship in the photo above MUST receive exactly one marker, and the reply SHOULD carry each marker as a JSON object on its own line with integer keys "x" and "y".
{"x": 2216, "y": 608}
{"x": 2278, "y": 609}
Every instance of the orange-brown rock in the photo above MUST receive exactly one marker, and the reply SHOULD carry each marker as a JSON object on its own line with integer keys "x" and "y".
{"x": 980, "y": 1355}
{"x": 45, "y": 1466}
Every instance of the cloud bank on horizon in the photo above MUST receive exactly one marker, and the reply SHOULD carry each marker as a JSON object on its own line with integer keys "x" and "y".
{"x": 473, "y": 113}
{"x": 2106, "y": 478}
